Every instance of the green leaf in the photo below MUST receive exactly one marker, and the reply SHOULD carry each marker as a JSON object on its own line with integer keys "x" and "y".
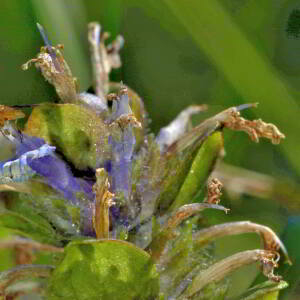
{"x": 7, "y": 255}
{"x": 268, "y": 290}
{"x": 181, "y": 262}
{"x": 166, "y": 172}
{"x": 78, "y": 132}
{"x": 45, "y": 206}
{"x": 104, "y": 269}
{"x": 213, "y": 291}
{"x": 290, "y": 238}
{"x": 189, "y": 169}
{"x": 35, "y": 227}
{"x": 201, "y": 168}
{"x": 166, "y": 234}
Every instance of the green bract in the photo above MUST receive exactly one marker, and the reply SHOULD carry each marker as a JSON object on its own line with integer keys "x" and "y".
{"x": 104, "y": 269}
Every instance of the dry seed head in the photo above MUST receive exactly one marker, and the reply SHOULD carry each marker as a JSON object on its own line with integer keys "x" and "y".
{"x": 112, "y": 96}
{"x": 104, "y": 36}
{"x": 60, "y": 46}
{"x": 123, "y": 91}
{"x": 214, "y": 187}
{"x": 268, "y": 263}
{"x": 226, "y": 266}
{"x": 8, "y": 113}
{"x": 56, "y": 71}
{"x": 124, "y": 120}
{"x": 255, "y": 129}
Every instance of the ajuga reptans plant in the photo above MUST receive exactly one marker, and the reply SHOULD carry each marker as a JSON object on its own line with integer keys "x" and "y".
{"x": 94, "y": 206}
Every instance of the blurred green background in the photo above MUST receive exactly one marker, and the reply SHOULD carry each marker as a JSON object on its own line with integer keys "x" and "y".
{"x": 177, "y": 53}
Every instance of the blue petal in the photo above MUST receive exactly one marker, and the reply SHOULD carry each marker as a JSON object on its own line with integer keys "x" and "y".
{"x": 121, "y": 107}
{"x": 28, "y": 143}
{"x": 18, "y": 170}
{"x": 57, "y": 175}
{"x": 120, "y": 170}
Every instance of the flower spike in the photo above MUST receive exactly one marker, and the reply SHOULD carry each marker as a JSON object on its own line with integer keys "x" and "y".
{"x": 255, "y": 129}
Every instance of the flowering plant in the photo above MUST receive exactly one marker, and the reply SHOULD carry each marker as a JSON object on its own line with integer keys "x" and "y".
{"x": 96, "y": 207}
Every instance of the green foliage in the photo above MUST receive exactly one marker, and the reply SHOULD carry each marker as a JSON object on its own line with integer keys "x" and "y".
{"x": 104, "y": 269}
{"x": 290, "y": 238}
{"x": 74, "y": 130}
{"x": 265, "y": 291}
{"x": 7, "y": 256}
{"x": 46, "y": 206}
{"x": 199, "y": 157}
{"x": 33, "y": 226}
{"x": 202, "y": 166}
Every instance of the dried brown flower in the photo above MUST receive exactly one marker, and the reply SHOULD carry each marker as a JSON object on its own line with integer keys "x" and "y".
{"x": 214, "y": 187}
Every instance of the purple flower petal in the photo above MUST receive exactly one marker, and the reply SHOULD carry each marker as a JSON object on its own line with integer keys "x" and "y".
{"x": 121, "y": 107}
{"x": 120, "y": 170}
{"x": 28, "y": 143}
{"x": 18, "y": 170}
{"x": 57, "y": 175}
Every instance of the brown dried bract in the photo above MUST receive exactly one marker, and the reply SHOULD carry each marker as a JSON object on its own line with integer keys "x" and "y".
{"x": 56, "y": 71}
{"x": 255, "y": 129}
{"x": 104, "y": 58}
{"x": 24, "y": 255}
{"x": 126, "y": 120}
{"x": 268, "y": 263}
{"x": 112, "y": 97}
{"x": 271, "y": 241}
{"x": 214, "y": 188}
{"x": 9, "y": 113}
{"x": 228, "y": 265}
{"x": 188, "y": 210}
{"x": 104, "y": 200}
